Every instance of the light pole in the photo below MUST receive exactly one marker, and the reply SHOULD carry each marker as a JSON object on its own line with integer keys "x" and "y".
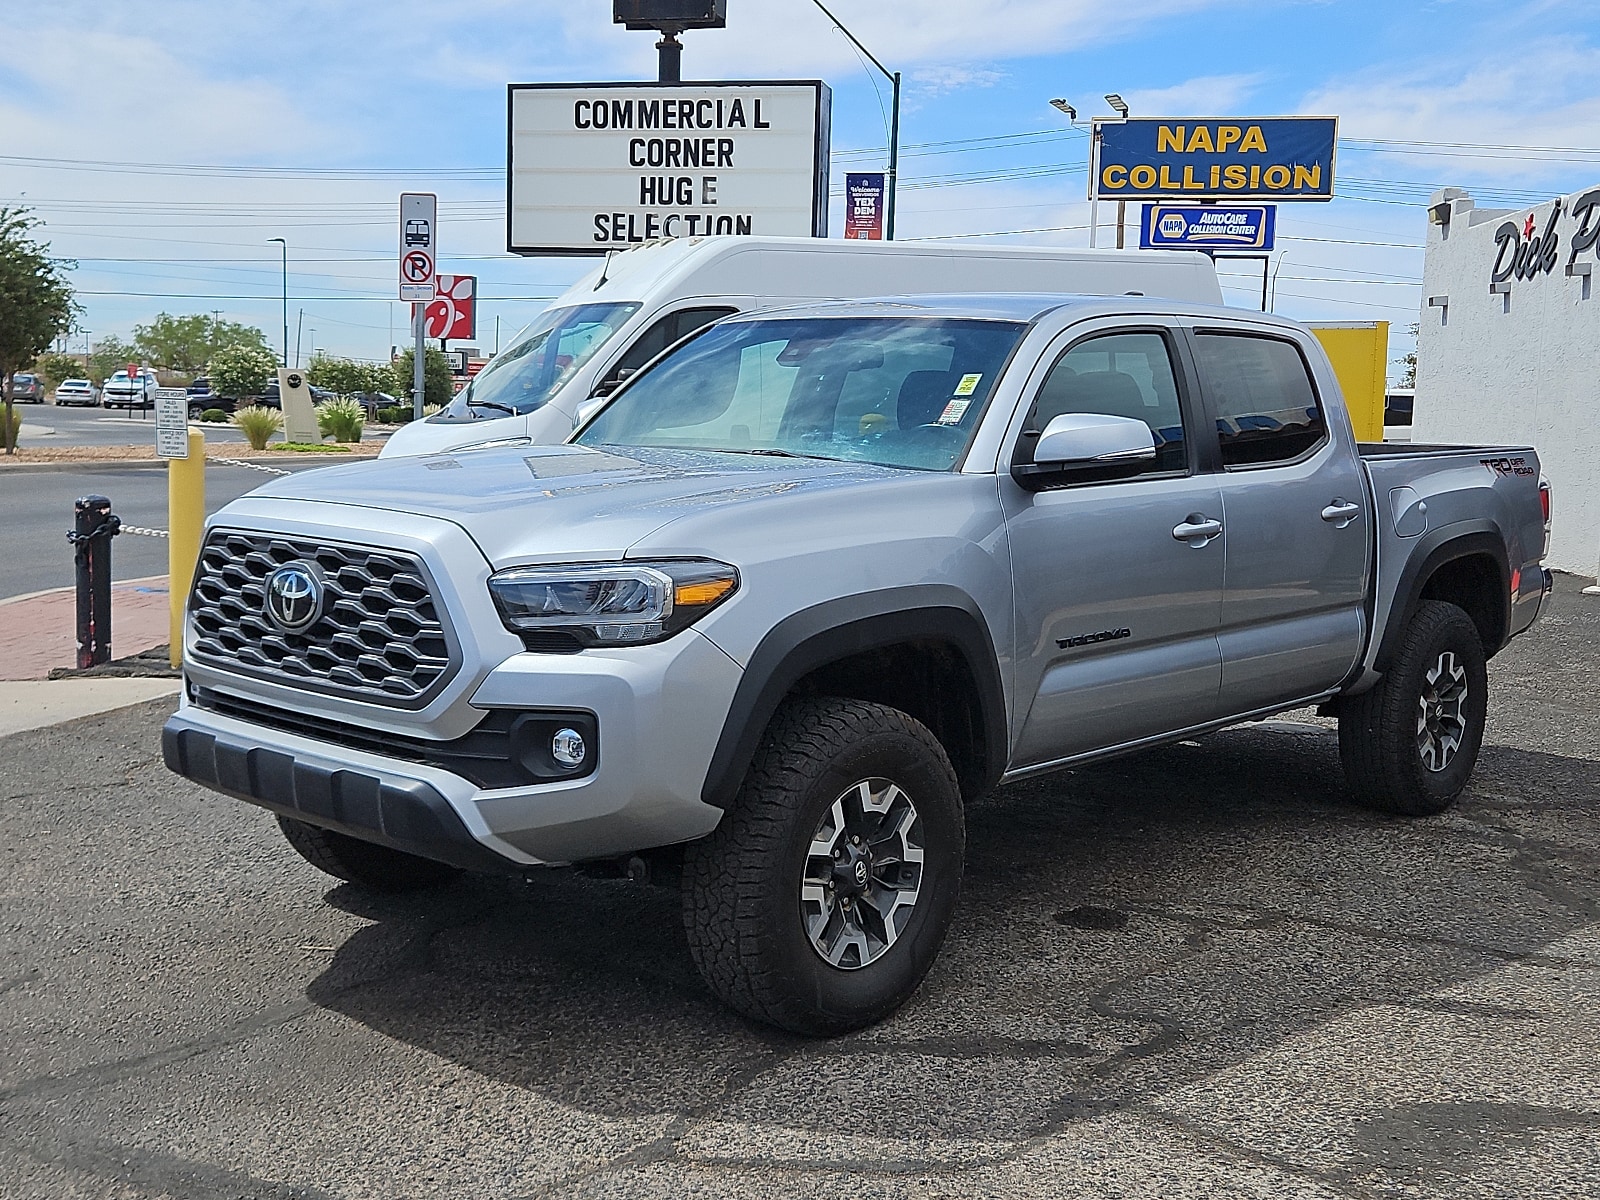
{"x": 1120, "y": 107}
{"x": 1071, "y": 114}
{"x": 285, "y": 247}
{"x": 894, "y": 119}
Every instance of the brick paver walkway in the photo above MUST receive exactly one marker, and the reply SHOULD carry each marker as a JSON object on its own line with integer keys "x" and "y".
{"x": 40, "y": 632}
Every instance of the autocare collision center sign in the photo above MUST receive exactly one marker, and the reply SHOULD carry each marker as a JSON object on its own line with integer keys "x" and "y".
{"x": 598, "y": 167}
{"x": 1270, "y": 158}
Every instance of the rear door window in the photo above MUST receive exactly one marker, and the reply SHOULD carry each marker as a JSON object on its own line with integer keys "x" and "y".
{"x": 663, "y": 333}
{"x": 1262, "y": 396}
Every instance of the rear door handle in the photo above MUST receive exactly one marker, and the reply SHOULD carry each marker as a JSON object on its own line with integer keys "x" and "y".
{"x": 1341, "y": 512}
{"x": 1197, "y": 529}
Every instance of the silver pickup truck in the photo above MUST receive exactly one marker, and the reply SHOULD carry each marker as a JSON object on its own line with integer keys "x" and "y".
{"x": 815, "y": 579}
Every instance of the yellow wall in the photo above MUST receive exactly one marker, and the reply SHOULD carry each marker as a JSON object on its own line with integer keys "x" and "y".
{"x": 1359, "y": 351}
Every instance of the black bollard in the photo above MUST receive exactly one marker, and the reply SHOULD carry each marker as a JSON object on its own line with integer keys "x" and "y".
{"x": 94, "y": 527}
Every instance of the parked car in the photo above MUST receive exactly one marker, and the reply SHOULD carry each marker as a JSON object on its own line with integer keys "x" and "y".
{"x": 121, "y": 392}
{"x": 372, "y": 401}
{"x": 202, "y": 398}
{"x": 269, "y": 397}
{"x": 814, "y": 581}
{"x": 27, "y": 388}
{"x": 77, "y": 392}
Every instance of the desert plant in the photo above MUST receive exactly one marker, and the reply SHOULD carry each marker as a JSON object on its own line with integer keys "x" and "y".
{"x": 213, "y": 415}
{"x": 341, "y": 419}
{"x": 258, "y": 424}
{"x": 429, "y": 409}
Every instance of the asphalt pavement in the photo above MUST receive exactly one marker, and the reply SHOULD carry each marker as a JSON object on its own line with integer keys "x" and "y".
{"x": 36, "y": 513}
{"x": 71, "y": 426}
{"x": 1196, "y": 972}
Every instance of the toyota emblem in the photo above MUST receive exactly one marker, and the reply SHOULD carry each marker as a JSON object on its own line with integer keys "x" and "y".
{"x": 294, "y": 597}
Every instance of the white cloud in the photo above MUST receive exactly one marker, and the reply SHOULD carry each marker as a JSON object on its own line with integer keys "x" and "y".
{"x": 1208, "y": 95}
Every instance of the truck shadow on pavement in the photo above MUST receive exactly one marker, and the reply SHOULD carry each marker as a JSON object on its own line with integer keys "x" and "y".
{"x": 1125, "y": 931}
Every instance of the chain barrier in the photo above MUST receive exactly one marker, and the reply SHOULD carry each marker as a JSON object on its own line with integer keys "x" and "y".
{"x": 143, "y": 532}
{"x": 239, "y": 462}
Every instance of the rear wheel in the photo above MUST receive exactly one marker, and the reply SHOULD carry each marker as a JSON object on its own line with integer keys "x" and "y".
{"x": 366, "y": 864}
{"x": 820, "y": 902}
{"x": 1409, "y": 745}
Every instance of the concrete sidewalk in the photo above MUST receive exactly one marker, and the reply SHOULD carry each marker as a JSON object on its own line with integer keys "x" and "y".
{"x": 38, "y": 703}
{"x": 38, "y": 632}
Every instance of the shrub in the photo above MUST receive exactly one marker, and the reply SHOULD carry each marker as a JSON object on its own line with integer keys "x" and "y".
{"x": 395, "y": 414}
{"x": 241, "y": 370}
{"x": 429, "y": 409}
{"x": 341, "y": 419}
{"x": 213, "y": 416}
{"x": 258, "y": 424}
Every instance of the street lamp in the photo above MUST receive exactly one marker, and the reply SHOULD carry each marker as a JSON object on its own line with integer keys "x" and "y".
{"x": 285, "y": 246}
{"x": 894, "y": 118}
{"x": 1065, "y": 109}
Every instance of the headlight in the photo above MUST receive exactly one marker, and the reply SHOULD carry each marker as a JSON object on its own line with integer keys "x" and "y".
{"x": 609, "y": 604}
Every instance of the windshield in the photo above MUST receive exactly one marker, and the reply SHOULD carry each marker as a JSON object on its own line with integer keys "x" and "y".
{"x": 524, "y": 377}
{"x": 903, "y": 392}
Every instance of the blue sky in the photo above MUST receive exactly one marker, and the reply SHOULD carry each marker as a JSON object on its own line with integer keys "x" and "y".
{"x": 246, "y": 121}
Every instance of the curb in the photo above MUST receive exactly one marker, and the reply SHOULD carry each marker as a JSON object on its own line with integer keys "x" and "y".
{"x": 159, "y": 464}
{"x": 142, "y": 581}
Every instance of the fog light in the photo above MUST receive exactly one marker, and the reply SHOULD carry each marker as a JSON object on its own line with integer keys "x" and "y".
{"x": 567, "y": 748}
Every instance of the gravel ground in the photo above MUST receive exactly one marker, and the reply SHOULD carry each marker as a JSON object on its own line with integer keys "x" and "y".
{"x": 1192, "y": 973}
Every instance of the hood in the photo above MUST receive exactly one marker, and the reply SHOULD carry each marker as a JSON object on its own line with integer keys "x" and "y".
{"x": 563, "y": 503}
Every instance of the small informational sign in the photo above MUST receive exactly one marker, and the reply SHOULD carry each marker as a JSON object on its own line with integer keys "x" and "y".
{"x": 596, "y": 167}
{"x": 172, "y": 422}
{"x": 458, "y": 361}
{"x": 863, "y": 206}
{"x": 419, "y": 242}
{"x": 453, "y": 315}
{"x": 1237, "y": 227}
{"x": 1224, "y": 158}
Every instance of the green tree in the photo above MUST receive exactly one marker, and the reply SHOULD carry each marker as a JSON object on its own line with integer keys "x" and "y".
{"x": 1408, "y": 378}
{"x": 436, "y": 379}
{"x": 110, "y": 355}
{"x": 56, "y": 367}
{"x": 36, "y": 304}
{"x": 186, "y": 344}
{"x": 346, "y": 375}
{"x": 241, "y": 371}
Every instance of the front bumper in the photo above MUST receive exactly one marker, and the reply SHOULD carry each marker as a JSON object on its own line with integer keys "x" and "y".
{"x": 659, "y": 710}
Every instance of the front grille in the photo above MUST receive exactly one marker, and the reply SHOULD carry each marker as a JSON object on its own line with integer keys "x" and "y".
{"x": 381, "y": 636}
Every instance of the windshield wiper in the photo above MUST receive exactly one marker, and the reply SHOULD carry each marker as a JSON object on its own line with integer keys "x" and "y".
{"x": 505, "y": 408}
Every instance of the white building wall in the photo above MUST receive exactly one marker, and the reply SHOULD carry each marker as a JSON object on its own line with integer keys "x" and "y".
{"x": 1516, "y": 367}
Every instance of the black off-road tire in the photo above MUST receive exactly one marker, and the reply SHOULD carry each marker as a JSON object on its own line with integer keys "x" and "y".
{"x": 741, "y": 885}
{"x": 365, "y": 864}
{"x": 1378, "y": 736}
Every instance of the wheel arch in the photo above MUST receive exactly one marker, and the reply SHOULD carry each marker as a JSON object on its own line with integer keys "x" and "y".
{"x": 925, "y": 650}
{"x": 1466, "y": 565}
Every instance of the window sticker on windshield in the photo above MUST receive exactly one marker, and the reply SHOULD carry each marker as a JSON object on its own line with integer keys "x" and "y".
{"x": 954, "y": 411}
{"x": 968, "y": 385}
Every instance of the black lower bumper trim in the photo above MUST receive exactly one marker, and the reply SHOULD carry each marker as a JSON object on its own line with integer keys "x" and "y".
{"x": 407, "y": 815}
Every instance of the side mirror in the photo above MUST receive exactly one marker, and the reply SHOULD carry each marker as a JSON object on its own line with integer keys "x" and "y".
{"x": 606, "y": 386}
{"x": 1088, "y": 444}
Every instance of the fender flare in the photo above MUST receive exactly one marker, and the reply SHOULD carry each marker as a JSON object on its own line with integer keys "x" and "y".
{"x": 1463, "y": 539}
{"x": 838, "y": 629}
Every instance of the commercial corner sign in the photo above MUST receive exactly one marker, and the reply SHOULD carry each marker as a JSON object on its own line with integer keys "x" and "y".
{"x": 172, "y": 422}
{"x": 419, "y": 245}
{"x": 1238, "y": 227}
{"x": 603, "y": 166}
{"x": 863, "y": 206}
{"x": 1229, "y": 158}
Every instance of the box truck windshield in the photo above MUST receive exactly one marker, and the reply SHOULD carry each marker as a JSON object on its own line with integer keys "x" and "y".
{"x": 523, "y": 377}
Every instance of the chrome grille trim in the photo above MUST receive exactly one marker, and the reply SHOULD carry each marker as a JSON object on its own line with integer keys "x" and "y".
{"x": 383, "y": 637}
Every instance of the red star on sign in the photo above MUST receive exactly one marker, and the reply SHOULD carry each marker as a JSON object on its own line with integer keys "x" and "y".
{"x": 1527, "y": 229}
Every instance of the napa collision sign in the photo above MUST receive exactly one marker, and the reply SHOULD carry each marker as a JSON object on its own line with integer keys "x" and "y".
{"x": 1214, "y": 158}
{"x": 596, "y": 167}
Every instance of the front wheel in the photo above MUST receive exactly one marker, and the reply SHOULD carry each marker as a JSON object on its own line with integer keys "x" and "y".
{"x": 1410, "y": 743}
{"x": 821, "y": 900}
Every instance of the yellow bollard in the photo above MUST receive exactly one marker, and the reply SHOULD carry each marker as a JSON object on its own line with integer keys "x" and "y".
{"x": 186, "y": 514}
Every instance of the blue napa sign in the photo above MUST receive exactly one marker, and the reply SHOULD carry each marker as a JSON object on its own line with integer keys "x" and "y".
{"x": 1237, "y": 227}
{"x": 1221, "y": 158}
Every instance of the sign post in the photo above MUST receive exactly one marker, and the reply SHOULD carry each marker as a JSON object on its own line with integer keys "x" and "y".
{"x": 185, "y": 452}
{"x": 419, "y": 227}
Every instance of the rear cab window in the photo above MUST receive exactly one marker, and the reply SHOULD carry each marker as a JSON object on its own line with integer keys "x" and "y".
{"x": 1262, "y": 397}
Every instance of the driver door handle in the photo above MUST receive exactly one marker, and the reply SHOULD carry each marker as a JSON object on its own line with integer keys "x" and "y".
{"x": 1341, "y": 512}
{"x": 1197, "y": 529}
